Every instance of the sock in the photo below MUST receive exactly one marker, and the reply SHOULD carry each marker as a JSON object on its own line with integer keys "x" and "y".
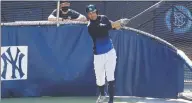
{"x": 111, "y": 86}
{"x": 102, "y": 90}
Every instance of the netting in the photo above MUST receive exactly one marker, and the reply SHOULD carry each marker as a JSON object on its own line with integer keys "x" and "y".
{"x": 173, "y": 23}
{"x": 12, "y": 11}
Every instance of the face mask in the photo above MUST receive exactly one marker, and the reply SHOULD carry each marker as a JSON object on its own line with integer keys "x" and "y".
{"x": 65, "y": 9}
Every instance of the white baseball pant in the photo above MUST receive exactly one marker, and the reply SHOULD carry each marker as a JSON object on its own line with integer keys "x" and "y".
{"x": 104, "y": 66}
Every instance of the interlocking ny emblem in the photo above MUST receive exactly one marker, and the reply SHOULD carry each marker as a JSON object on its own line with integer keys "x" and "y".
{"x": 14, "y": 63}
{"x": 180, "y": 22}
{"x": 180, "y": 19}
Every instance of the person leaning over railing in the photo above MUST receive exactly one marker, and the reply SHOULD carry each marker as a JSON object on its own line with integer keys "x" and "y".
{"x": 65, "y": 13}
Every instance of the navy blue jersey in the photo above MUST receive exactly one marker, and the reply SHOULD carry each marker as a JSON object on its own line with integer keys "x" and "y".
{"x": 71, "y": 14}
{"x": 99, "y": 32}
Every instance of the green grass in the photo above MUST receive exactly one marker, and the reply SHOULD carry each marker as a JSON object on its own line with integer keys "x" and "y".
{"x": 88, "y": 100}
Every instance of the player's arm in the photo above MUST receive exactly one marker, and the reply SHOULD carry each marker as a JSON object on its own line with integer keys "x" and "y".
{"x": 120, "y": 23}
{"x": 106, "y": 25}
{"x": 52, "y": 16}
{"x": 110, "y": 24}
{"x": 81, "y": 18}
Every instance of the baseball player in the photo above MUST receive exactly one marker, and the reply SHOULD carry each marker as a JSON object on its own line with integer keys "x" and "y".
{"x": 104, "y": 52}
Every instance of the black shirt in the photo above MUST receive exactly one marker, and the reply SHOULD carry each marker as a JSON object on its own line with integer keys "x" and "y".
{"x": 71, "y": 14}
{"x": 99, "y": 27}
{"x": 98, "y": 30}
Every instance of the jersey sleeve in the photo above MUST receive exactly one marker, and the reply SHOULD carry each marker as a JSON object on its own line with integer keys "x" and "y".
{"x": 108, "y": 23}
{"x": 54, "y": 12}
{"x": 74, "y": 14}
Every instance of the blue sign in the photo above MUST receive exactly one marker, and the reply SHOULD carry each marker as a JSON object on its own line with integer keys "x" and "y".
{"x": 178, "y": 19}
{"x": 58, "y": 61}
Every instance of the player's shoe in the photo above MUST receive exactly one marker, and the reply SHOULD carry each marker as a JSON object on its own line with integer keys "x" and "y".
{"x": 101, "y": 99}
{"x": 110, "y": 102}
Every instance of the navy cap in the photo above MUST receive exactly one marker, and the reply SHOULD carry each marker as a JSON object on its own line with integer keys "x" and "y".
{"x": 91, "y": 8}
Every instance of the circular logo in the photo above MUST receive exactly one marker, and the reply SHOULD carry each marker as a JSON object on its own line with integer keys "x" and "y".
{"x": 90, "y": 9}
{"x": 178, "y": 19}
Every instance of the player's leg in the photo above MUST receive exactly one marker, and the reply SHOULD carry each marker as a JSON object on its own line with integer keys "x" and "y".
{"x": 110, "y": 73}
{"x": 100, "y": 75}
{"x": 111, "y": 86}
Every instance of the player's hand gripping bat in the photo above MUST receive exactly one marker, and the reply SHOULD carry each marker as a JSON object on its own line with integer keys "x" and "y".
{"x": 119, "y": 23}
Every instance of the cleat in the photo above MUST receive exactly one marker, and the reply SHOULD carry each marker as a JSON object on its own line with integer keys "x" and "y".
{"x": 101, "y": 99}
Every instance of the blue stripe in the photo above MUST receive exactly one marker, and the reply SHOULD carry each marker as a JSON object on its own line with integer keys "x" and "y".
{"x": 103, "y": 45}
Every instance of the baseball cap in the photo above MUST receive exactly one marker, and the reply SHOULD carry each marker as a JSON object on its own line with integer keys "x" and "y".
{"x": 91, "y": 8}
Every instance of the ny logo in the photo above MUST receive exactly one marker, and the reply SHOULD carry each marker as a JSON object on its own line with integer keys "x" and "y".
{"x": 13, "y": 65}
{"x": 179, "y": 19}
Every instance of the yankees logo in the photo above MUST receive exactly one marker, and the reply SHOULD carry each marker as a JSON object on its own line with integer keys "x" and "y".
{"x": 14, "y": 63}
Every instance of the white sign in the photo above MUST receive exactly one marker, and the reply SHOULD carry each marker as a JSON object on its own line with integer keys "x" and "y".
{"x": 14, "y": 61}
